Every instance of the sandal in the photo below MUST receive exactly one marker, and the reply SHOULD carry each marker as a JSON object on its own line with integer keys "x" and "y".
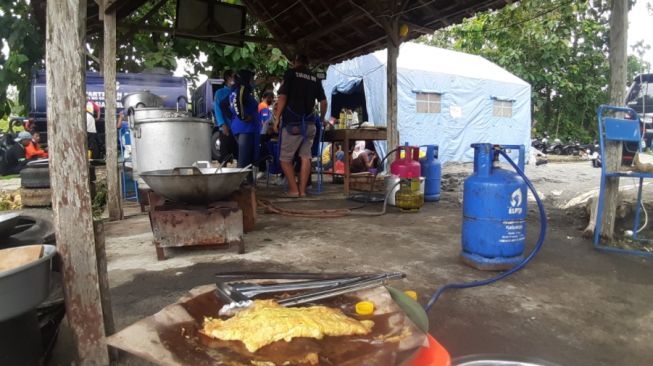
{"x": 289, "y": 195}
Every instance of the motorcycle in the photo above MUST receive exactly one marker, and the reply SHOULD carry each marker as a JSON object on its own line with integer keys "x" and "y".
{"x": 556, "y": 147}
{"x": 571, "y": 148}
{"x": 541, "y": 144}
{"x": 7, "y": 140}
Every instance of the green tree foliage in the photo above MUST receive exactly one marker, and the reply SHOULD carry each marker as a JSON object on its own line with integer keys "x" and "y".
{"x": 560, "y": 47}
{"x": 636, "y": 62}
{"x": 21, "y": 34}
{"x": 136, "y": 51}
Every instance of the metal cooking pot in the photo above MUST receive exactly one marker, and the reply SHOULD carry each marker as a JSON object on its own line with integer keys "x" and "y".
{"x": 137, "y": 114}
{"x": 143, "y": 99}
{"x": 195, "y": 185}
{"x": 167, "y": 143}
{"x": 499, "y": 360}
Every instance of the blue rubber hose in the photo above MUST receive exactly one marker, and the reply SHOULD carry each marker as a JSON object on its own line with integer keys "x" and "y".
{"x": 522, "y": 264}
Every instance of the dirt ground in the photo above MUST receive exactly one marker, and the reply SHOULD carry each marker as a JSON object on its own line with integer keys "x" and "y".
{"x": 572, "y": 305}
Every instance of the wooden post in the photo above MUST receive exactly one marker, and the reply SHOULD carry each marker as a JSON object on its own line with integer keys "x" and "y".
{"x": 391, "y": 76}
{"x": 103, "y": 281}
{"x": 110, "y": 131}
{"x": 618, "y": 75}
{"x": 69, "y": 179}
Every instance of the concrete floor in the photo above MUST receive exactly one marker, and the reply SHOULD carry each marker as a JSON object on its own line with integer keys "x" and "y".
{"x": 572, "y": 305}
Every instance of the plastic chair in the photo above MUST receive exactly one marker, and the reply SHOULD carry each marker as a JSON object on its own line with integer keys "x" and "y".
{"x": 619, "y": 130}
{"x": 125, "y": 140}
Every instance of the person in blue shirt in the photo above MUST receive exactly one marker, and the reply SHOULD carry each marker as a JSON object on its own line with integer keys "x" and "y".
{"x": 245, "y": 121}
{"x": 228, "y": 145}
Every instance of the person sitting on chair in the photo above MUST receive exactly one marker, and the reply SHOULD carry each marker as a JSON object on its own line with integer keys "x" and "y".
{"x": 362, "y": 159}
{"x": 33, "y": 150}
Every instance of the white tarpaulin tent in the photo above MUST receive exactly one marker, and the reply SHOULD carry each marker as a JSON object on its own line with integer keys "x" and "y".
{"x": 447, "y": 98}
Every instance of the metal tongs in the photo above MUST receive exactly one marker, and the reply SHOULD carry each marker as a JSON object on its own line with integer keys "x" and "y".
{"x": 239, "y": 295}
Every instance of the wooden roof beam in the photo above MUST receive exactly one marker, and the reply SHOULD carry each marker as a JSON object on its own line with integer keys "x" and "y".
{"x": 310, "y": 13}
{"x": 265, "y": 16}
{"x": 112, "y": 5}
{"x": 200, "y": 35}
{"x": 355, "y": 49}
{"x": 416, "y": 27}
{"x": 328, "y": 29}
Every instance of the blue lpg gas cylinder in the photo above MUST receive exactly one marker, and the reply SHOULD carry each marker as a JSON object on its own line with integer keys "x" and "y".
{"x": 494, "y": 212}
{"x": 432, "y": 172}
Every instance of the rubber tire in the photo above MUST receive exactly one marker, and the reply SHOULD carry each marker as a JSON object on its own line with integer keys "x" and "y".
{"x": 215, "y": 145}
{"x": 35, "y": 177}
{"x": 36, "y": 197}
{"x": 557, "y": 150}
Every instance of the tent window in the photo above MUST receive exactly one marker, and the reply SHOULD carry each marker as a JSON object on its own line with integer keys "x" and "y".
{"x": 428, "y": 102}
{"x": 502, "y": 108}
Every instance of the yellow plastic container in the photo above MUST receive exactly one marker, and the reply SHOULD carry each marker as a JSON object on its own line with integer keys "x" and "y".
{"x": 412, "y": 294}
{"x": 364, "y": 308}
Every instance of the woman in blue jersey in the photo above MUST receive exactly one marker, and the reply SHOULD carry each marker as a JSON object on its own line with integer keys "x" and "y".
{"x": 245, "y": 119}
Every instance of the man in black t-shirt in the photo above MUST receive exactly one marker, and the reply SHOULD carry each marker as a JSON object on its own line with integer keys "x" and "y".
{"x": 297, "y": 96}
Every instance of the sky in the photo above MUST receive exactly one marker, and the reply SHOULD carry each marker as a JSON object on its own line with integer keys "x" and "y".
{"x": 640, "y": 26}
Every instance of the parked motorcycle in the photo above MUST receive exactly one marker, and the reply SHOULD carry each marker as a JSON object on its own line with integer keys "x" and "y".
{"x": 541, "y": 144}
{"x": 571, "y": 148}
{"x": 7, "y": 140}
{"x": 556, "y": 147}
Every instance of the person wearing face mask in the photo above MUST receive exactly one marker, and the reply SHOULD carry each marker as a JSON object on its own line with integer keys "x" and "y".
{"x": 228, "y": 145}
{"x": 245, "y": 118}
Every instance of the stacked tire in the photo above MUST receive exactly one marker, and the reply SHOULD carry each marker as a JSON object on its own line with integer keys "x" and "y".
{"x": 35, "y": 186}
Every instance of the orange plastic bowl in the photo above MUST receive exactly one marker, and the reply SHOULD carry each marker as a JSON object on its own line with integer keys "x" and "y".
{"x": 432, "y": 355}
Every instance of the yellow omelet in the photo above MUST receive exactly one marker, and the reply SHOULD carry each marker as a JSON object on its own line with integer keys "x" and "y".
{"x": 266, "y": 322}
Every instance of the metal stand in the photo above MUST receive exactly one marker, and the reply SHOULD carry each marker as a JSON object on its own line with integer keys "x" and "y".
{"x": 181, "y": 225}
{"x": 615, "y": 129}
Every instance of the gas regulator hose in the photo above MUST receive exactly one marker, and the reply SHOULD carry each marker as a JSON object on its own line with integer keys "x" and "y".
{"x": 522, "y": 264}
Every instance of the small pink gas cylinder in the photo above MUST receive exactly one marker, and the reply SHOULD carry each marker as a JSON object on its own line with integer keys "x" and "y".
{"x": 407, "y": 167}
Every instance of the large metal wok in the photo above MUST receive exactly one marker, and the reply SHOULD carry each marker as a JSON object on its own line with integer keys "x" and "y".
{"x": 194, "y": 185}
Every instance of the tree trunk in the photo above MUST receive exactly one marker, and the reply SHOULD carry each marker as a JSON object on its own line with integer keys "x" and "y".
{"x": 618, "y": 62}
{"x": 391, "y": 114}
{"x": 547, "y": 108}
{"x": 69, "y": 180}
{"x": 111, "y": 139}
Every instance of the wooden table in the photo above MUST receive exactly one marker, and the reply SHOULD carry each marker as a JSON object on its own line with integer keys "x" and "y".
{"x": 352, "y": 134}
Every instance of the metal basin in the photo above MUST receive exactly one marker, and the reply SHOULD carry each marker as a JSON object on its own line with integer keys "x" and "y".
{"x": 25, "y": 287}
{"x": 194, "y": 185}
